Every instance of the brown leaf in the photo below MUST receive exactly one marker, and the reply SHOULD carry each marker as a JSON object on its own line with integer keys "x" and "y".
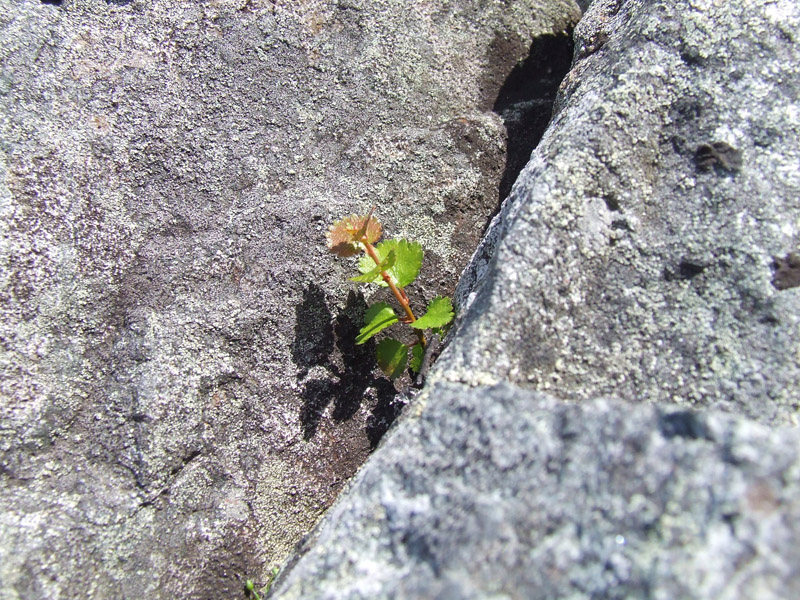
{"x": 343, "y": 236}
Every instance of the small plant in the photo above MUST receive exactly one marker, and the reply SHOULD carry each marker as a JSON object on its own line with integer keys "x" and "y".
{"x": 250, "y": 586}
{"x": 393, "y": 264}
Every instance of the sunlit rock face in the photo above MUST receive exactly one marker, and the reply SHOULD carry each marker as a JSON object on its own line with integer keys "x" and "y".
{"x": 614, "y": 415}
{"x": 181, "y": 395}
{"x": 648, "y": 248}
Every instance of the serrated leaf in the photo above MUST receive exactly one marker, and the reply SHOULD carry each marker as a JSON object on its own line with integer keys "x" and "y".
{"x": 408, "y": 260}
{"x": 378, "y": 317}
{"x": 417, "y": 352}
{"x": 345, "y": 235}
{"x": 392, "y": 357}
{"x": 439, "y": 314}
{"x": 386, "y": 264}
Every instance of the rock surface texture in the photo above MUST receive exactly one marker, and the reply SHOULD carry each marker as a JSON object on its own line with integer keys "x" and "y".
{"x": 180, "y": 394}
{"x": 638, "y": 253}
{"x": 497, "y": 492}
{"x": 649, "y": 253}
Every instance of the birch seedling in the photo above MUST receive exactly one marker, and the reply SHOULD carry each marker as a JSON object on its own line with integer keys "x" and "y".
{"x": 394, "y": 264}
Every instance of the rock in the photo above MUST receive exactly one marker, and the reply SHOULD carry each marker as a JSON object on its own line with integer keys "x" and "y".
{"x": 645, "y": 251}
{"x": 180, "y": 394}
{"x": 499, "y": 492}
{"x": 608, "y": 420}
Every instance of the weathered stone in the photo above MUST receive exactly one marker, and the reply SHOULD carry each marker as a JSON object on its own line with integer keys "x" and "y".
{"x": 637, "y": 254}
{"x": 646, "y": 252}
{"x": 498, "y": 492}
{"x": 180, "y": 394}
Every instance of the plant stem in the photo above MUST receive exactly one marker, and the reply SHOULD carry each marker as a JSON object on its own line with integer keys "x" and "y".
{"x": 402, "y": 299}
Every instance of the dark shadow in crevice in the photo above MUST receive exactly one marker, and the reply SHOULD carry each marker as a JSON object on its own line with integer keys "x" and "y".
{"x": 358, "y": 360}
{"x": 525, "y": 101}
{"x": 685, "y": 424}
{"x": 685, "y": 270}
{"x": 348, "y": 374}
{"x": 385, "y": 412}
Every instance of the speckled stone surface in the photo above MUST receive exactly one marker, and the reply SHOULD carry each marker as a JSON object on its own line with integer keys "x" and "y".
{"x": 180, "y": 397}
{"x": 498, "y": 492}
{"x": 636, "y": 300}
{"x": 637, "y": 255}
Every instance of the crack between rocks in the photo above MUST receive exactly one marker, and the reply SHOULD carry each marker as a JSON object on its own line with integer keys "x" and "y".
{"x": 526, "y": 98}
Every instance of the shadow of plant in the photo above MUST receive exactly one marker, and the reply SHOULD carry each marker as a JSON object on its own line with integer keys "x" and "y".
{"x": 348, "y": 377}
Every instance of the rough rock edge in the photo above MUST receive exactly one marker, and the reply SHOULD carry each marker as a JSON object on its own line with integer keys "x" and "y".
{"x": 500, "y": 490}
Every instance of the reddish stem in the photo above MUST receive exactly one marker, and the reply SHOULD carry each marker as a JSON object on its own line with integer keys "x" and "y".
{"x": 402, "y": 299}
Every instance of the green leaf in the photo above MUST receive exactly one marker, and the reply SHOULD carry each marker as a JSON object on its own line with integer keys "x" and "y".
{"x": 375, "y": 273}
{"x": 378, "y": 317}
{"x": 392, "y": 357}
{"x": 417, "y": 351}
{"x": 439, "y": 314}
{"x": 407, "y": 264}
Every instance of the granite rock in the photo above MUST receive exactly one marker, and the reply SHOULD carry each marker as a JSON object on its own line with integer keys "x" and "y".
{"x": 611, "y": 417}
{"x": 645, "y": 251}
{"x": 180, "y": 394}
{"x": 500, "y": 492}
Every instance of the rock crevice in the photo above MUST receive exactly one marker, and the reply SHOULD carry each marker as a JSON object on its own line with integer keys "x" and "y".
{"x": 641, "y": 270}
